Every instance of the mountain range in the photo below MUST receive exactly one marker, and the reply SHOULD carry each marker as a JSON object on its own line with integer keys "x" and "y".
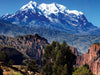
{"x": 54, "y": 22}
{"x": 52, "y": 16}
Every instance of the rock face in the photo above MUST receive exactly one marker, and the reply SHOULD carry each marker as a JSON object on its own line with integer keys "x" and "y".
{"x": 32, "y": 46}
{"x": 92, "y": 58}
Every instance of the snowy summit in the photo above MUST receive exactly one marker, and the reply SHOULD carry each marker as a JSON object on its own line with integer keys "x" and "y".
{"x": 47, "y": 9}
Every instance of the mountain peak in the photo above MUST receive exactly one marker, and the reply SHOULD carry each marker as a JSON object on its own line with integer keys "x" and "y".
{"x": 30, "y": 5}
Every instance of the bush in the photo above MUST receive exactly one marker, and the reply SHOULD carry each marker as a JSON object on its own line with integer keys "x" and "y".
{"x": 84, "y": 70}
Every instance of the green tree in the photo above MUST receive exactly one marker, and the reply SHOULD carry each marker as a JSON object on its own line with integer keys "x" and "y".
{"x": 65, "y": 71}
{"x": 47, "y": 69}
{"x": 60, "y": 59}
{"x": 54, "y": 69}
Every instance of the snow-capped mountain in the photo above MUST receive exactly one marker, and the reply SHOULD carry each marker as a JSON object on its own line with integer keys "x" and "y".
{"x": 52, "y": 16}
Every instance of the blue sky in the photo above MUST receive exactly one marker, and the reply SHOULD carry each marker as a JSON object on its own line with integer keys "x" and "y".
{"x": 90, "y": 8}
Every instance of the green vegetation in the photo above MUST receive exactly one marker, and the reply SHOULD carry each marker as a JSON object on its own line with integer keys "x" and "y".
{"x": 32, "y": 66}
{"x": 84, "y": 70}
{"x": 58, "y": 59}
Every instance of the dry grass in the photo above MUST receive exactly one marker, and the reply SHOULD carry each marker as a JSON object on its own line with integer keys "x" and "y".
{"x": 9, "y": 71}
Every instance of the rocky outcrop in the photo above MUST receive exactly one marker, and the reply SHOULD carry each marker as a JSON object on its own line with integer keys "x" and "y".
{"x": 74, "y": 50}
{"x": 30, "y": 45}
{"x": 92, "y": 58}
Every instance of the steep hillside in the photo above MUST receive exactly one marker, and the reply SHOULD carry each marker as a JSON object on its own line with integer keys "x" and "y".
{"x": 11, "y": 55}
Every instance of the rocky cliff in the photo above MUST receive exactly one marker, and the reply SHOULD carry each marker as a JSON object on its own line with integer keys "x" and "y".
{"x": 92, "y": 58}
{"x": 30, "y": 45}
